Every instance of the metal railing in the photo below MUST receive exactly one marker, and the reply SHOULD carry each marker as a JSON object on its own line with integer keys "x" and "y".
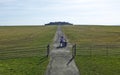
{"x": 91, "y": 50}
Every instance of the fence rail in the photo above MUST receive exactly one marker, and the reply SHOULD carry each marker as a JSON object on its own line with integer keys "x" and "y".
{"x": 107, "y": 50}
{"x": 24, "y": 52}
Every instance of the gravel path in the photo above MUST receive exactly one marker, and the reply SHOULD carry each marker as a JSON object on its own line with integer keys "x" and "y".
{"x": 60, "y": 57}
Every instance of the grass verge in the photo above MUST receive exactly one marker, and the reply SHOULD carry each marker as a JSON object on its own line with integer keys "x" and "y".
{"x": 98, "y": 48}
{"x": 23, "y": 49}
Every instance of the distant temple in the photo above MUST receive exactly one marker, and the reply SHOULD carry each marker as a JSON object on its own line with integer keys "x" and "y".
{"x": 59, "y": 23}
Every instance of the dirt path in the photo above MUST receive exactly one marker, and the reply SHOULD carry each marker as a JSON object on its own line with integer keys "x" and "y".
{"x": 59, "y": 59}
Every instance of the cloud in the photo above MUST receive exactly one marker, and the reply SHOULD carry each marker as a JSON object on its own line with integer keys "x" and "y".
{"x": 75, "y": 11}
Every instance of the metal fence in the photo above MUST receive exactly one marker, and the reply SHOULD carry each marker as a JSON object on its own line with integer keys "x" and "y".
{"x": 106, "y": 50}
{"x": 24, "y": 52}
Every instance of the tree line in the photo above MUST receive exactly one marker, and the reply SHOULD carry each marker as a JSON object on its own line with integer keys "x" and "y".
{"x": 59, "y": 23}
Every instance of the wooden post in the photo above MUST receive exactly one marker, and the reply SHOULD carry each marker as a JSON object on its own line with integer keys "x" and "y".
{"x": 48, "y": 50}
{"x": 74, "y": 50}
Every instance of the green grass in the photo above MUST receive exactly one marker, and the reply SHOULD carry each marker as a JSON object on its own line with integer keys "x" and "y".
{"x": 23, "y": 66}
{"x": 98, "y": 65}
{"x": 23, "y": 49}
{"x": 98, "y": 48}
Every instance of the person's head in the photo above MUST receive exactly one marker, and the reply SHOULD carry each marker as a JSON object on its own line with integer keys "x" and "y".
{"x": 61, "y": 36}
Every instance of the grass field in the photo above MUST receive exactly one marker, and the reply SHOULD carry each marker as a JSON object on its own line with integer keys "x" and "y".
{"x": 23, "y": 49}
{"x": 98, "y": 48}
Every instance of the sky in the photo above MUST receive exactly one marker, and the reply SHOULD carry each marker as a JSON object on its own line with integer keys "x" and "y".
{"x": 40, "y": 12}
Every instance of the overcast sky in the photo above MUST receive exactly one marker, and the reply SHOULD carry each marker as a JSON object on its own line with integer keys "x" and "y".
{"x": 32, "y": 12}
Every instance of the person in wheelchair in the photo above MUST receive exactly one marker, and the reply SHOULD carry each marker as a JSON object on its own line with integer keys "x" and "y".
{"x": 63, "y": 42}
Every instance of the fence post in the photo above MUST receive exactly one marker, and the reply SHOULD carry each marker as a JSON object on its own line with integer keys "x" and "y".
{"x": 48, "y": 50}
{"x": 74, "y": 50}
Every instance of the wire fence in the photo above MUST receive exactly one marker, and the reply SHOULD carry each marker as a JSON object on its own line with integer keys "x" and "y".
{"x": 24, "y": 52}
{"x": 94, "y": 59}
{"x": 104, "y": 50}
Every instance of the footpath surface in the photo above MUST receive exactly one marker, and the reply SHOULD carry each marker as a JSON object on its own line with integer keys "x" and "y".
{"x": 59, "y": 58}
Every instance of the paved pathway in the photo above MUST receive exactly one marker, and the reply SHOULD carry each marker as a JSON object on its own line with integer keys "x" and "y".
{"x": 59, "y": 59}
